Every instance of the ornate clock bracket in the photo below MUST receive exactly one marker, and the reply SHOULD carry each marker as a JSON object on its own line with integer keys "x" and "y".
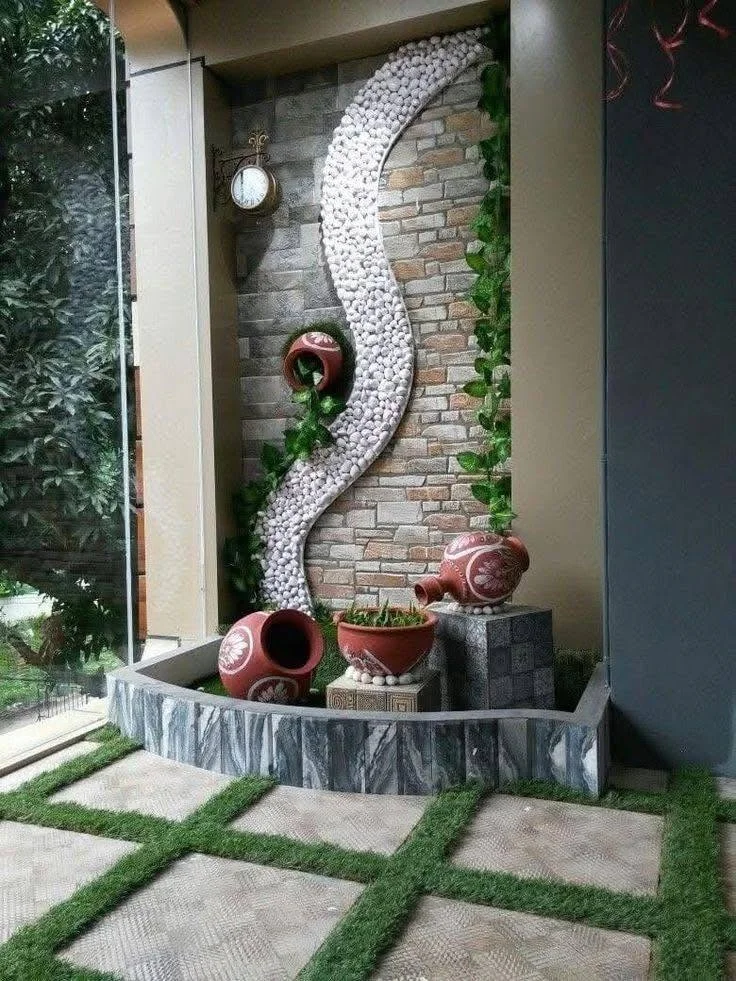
{"x": 224, "y": 164}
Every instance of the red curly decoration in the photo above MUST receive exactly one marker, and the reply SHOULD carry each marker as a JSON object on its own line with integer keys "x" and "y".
{"x": 670, "y": 44}
{"x": 619, "y": 61}
{"x": 705, "y": 21}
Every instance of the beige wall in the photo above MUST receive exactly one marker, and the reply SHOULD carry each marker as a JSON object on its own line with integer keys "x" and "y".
{"x": 225, "y": 359}
{"x": 237, "y": 38}
{"x": 556, "y": 337}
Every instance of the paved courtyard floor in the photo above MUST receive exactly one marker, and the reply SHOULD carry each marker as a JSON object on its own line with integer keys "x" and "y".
{"x": 273, "y": 881}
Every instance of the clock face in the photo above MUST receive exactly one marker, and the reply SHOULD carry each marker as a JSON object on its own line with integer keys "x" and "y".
{"x": 249, "y": 187}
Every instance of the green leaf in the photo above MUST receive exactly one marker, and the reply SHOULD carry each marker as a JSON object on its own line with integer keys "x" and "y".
{"x": 477, "y": 388}
{"x": 482, "y": 492}
{"x": 476, "y": 261}
{"x": 330, "y": 405}
{"x": 470, "y": 462}
{"x": 271, "y": 457}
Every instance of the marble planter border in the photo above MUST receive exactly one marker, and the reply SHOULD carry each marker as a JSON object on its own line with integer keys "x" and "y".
{"x": 364, "y": 752}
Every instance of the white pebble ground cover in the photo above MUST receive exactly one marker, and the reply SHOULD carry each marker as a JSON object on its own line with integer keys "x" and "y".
{"x": 361, "y": 273}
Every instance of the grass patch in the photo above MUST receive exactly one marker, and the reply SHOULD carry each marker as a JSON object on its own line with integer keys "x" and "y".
{"x": 687, "y": 920}
{"x": 647, "y": 802}
{"x": 690, "y": 944}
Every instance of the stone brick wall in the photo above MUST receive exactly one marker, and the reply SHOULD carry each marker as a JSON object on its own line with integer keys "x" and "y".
{"x": 392, "y": 524}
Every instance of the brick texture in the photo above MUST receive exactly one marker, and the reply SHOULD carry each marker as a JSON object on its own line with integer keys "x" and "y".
{"x": 389, "y": 528}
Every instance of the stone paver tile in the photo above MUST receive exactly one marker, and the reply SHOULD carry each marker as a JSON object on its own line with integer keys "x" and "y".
{"x": 362, "y": 822}
{"x": 727, "y": 787}
{"x": 577, "y": 843}
{"x": 638, "y": 778}
{"x": 146, "y": 783}
{"x": 448, "y": 940}
{"x": 728, "y": 855}
{"x": 731, "y": 966}
{"x": 40, "y": 867}
{"x": 11, "y": 781}
{"x": 214, "y": 918}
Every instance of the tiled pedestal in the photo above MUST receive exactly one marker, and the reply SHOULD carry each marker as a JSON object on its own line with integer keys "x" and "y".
{"x": 422, "y": 696}
{"x": 503, "y": 660}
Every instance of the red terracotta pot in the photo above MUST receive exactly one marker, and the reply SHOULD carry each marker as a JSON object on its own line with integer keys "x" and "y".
{"x": 270, "y": 657}
{"x": 385, "y": 651}
{"x": 321, "y": 346}
{"x": 477, "y": 569}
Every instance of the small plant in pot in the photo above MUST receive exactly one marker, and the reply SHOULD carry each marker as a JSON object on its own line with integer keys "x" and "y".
{"x": 385, "y": 645}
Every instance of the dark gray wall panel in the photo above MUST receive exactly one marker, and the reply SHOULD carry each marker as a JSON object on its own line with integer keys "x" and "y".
{"x": 671, "y": 404}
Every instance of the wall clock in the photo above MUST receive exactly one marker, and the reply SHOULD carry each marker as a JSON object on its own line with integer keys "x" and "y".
{"x": 254, "y": 188}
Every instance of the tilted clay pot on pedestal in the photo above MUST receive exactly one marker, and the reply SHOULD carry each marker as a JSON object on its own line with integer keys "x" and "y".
{"x": 322, "y": 347}
{"x": 271, "y": 657}
{"x": 478, "y": 569}
{"x": 385, "y": 655}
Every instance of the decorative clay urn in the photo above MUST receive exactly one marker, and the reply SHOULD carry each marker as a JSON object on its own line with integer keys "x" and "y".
{"x": 270, "y": 657}
{"x": 477, "y": 569}
{"x": 325, "y": 349}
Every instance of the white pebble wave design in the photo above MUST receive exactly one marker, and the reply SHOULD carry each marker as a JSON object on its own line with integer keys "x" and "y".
{"x": 365, "y": 285}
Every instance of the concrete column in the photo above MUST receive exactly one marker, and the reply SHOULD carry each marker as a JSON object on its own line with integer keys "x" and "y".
{"x": 176, "y": 239}
{"x": 557, "y": 313}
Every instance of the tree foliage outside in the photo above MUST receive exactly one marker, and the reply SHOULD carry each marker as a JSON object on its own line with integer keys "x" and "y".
{"x": 61, "y": 522}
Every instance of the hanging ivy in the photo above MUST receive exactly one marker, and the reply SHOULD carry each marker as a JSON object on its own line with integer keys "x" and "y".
{"x": 491, "y": 291}
{"x": 242, "y": 552}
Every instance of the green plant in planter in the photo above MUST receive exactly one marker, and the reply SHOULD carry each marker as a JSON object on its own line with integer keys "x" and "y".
{"x": 385, "y": 616}
{"x": 491, "y": 292}
{"x": 242, "y": 552}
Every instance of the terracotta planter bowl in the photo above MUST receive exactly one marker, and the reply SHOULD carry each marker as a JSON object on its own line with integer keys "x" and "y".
{"x": 477, "y": 569}
{"x": 385, "y": 651}
{"x": 271, "y": 657}
{"x": 321, "y": 346}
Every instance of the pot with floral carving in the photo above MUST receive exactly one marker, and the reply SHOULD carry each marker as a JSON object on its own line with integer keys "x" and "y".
{"x": 271, "y": 657}
{"x": 317, "y": 353}
{"x": 477, "y": 569}
{"x": 390, "y": 653}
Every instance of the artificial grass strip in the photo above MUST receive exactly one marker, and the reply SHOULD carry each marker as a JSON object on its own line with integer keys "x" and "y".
{"x": 646, "y": 802}
{"x": 229, "y": 803}
{"x": 69, "y": 816}
{"x": 545, "y": 897}
{"x": 726, "y": 810}
{"x": 104, "y": 734}
{"x": 320, "y": 858}
{"x": 729, "y": 932}
{"x": 690, "y": 942}
{"x": 65, "y": 921}
{"x": 354, "y": 947}
{"x": 37, "y": 966}
{"x": 687, "y": 920}
{"x": 80, "y": 767}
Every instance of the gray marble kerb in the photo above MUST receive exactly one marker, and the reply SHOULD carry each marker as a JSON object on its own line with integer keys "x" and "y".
{"x": 363, "y": 752}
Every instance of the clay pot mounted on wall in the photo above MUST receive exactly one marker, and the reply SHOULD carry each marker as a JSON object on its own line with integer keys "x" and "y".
{"x": 386, "y": 655}
{"x": 271, "y": 657}
{"x": 478, "y": 569}
{"x": 321, "y": 356}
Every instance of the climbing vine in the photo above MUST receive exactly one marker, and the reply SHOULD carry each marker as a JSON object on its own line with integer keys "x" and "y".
{"x": 242, "y": 552}
{"x": 491, "y": 291}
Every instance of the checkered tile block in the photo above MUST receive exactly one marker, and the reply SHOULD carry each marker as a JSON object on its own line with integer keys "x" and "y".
{"x": 423, "y": 696}
{"x": 504, "y": 660}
